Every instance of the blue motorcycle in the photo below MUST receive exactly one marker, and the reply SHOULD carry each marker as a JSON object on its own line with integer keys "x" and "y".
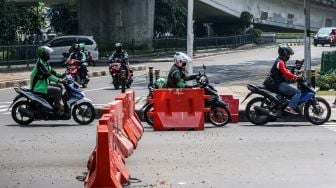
{"x": 270, "y": 105}
{"x": 29, "y": 107}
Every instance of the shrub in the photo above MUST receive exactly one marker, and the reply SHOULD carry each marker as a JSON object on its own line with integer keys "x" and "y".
{"x": 327, "y": 80}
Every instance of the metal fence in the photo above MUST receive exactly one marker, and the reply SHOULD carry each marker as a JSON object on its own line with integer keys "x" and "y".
{"x": 25, "y": 54}
{"x": 203, "y": 43}
{"x": 17, "y": 55}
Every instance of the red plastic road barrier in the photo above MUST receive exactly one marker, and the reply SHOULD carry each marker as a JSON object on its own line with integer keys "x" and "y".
{"x": 178, "y": 109}
{"x": 130, "y": 129}
{"x": 105, "y": 173}
{"x": 233, "y": 105}
{"x": 133, "y": 116}
{"x": 123, "y": 143}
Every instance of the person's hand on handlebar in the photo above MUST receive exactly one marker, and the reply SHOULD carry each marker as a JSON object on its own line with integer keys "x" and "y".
{"x": 298, "y": 77}
{"x": 61, "y": 80}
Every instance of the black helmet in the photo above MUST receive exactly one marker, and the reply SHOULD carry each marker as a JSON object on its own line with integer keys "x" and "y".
{"x": 285, "y": 51}
{"x": 76, "y": 47}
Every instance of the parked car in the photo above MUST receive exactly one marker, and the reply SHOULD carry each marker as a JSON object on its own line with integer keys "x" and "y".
{"x": 323, "y": 36}
{"x": 62, "y": 45}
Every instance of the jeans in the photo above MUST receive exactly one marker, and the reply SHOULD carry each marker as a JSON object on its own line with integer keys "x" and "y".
{"x": 289, "y": 90}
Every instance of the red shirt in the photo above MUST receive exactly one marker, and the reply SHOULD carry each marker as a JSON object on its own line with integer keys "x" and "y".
{"x": 285, "y": 72}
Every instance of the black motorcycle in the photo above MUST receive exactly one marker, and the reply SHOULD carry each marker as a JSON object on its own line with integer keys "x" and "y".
{"x": 29, "y": 107}
{"x": 270, "y": 105}
{"x": 219, "y": 114}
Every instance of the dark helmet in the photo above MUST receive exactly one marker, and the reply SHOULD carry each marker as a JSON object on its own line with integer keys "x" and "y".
{"x": 76, "y": 48}
{"x": 44, "y": 52}
{"x": 285, "y": 51}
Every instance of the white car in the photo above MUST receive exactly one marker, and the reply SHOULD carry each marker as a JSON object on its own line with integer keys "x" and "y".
{"x": 62, "y": 44}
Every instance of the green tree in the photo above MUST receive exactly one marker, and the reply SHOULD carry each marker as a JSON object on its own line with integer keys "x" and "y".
{"x": 170, "y": 17}
{"x": 64, "y": 18}
{"x": 32, "y": 18}
{"x": 245, "y": 20}
{"x": 8, "y": 20}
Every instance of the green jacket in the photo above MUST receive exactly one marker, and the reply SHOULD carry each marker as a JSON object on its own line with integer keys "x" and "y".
{"x": 177, "y": 77}
{"x": 40, "y": 76}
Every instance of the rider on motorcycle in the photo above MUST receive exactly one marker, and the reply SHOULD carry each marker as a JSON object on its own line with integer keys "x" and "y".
{"x": 281, "y": 74}
{"x": 42, "y": 73}
{"x": 177, "y": 76}
{"x": 119, "y": 53}
{"x": 80, "y": 56}
{"x": 85, "y": 63}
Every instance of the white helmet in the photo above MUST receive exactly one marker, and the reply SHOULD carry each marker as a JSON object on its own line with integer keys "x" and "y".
{"x": 182, "y": 57}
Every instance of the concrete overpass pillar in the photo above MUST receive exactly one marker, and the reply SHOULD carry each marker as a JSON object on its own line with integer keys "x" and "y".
{"x": 109, "y": 21}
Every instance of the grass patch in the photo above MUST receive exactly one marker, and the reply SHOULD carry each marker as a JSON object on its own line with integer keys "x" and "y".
{"x": 326, "y": 92}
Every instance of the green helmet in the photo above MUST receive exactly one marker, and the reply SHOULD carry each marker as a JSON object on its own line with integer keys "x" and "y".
{"x": 44, "y": 52}
{"x": 160, "y": 83}
{"x": 82, "y": 46}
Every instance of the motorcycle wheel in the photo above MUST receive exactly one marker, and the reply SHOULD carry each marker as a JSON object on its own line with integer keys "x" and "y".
{"x": 17, "y": 116}
{"x": 149, "y": 119}
{"x": 317, "y": 111}
{"x": 115, "y": 82}
{"x": 219, "y": 116}
{"x": 252, "y": 115}
{"x": 83, "y": 113}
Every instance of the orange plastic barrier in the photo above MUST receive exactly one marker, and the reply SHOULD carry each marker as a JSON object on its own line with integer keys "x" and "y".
{"x": 233, "y": 105}
{"x": 132, "y": 132}
{"x": 131, "y": 109}
{"x": 124, "y": 144}
{"x": 109, "y": 170}
{"x": 178, "y": 109}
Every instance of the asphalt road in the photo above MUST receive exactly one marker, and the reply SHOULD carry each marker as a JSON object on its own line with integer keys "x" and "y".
{"x": 52, "y": 154}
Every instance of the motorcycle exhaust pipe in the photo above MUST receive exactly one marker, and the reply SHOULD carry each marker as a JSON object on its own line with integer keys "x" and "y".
{"x": 25, "y": 112}
{"x": 261, "y": 110}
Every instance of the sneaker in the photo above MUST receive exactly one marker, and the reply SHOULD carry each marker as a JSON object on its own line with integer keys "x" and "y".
{"x": 290, "y": 110}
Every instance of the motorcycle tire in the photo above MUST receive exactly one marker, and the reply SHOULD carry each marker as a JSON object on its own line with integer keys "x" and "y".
{"x": 83, "y": 113}
{"x": 219, "y": 116}
{"x": 149, "y": 119}
{"x": 312, "y": 111}
{"x": 22, "y": 120}
{"x": 115, "y": 82}
{"x": 252, "y": 115}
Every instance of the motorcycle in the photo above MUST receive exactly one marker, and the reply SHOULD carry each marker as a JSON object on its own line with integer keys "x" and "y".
{"x": 219, "y": 114}
{"x": 118, "y": 79}
{"x": 270, "y": 105}
{"x": 72, "y": 68}
{"x": 28, "y": 106}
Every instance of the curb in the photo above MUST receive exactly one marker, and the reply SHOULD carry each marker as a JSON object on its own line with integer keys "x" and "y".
{"x": 25, "y": 82}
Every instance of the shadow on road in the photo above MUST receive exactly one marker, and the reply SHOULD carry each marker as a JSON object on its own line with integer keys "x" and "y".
{"x": 45, "y": 125}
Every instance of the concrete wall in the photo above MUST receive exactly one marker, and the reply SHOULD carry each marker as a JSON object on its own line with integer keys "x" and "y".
{"x": 277, "y": 11}
{"x": 124, "y": 21}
